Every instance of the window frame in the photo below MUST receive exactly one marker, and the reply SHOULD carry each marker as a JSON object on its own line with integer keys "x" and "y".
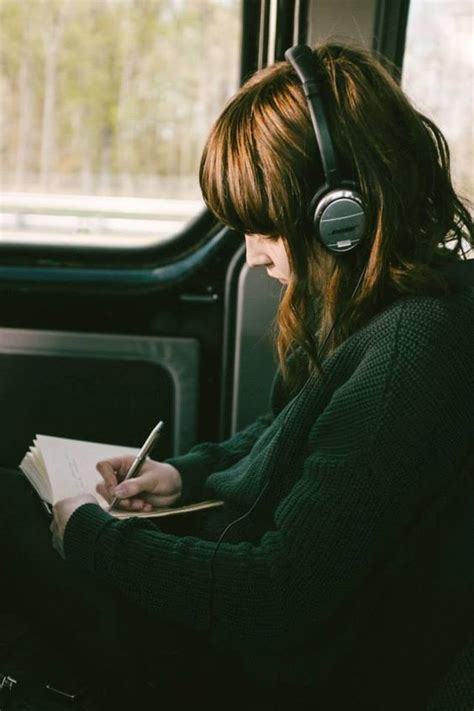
{"x": 390, "y": 29}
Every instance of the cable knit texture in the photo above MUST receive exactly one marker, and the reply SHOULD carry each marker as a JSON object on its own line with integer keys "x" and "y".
{"x": 353, "y": 579}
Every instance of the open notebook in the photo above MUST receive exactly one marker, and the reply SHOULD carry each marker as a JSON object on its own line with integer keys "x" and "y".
{"x": 58, "y": 468}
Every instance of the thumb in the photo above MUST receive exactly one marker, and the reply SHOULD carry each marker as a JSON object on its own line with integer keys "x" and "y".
{"x": 132, "y": 487}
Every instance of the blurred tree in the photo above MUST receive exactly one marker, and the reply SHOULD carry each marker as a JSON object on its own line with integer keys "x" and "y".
{"x": 25, "y": 101}
{"x": 112, "y": 96}
{"x": 53, "y": 16}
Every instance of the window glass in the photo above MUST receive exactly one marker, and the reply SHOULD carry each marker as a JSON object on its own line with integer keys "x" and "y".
{"x": 104, "y": 109}
{"x": 437, "y": 75}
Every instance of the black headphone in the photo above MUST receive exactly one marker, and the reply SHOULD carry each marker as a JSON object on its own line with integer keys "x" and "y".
{"x": 337, "y": 208}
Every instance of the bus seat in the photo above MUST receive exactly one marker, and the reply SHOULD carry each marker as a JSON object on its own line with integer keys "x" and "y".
{"x": 455, "y": 691}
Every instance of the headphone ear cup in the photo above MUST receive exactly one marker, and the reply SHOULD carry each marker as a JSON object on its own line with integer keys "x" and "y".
{"x": 313, "y": 209}
{"x": 338, "y": 218}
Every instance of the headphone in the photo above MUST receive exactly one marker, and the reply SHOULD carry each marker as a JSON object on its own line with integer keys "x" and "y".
{"x": 337, "y": 209}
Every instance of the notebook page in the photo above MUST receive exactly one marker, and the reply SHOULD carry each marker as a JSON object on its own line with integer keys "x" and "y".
{"x": 33, "y": 466}
{"x": 71, "y": 464}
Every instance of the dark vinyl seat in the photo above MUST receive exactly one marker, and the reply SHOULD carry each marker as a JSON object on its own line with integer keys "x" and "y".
{"x": 455, "y": 691}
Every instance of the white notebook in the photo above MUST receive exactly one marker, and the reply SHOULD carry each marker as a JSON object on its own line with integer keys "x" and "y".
{"x": 58, "y": 468}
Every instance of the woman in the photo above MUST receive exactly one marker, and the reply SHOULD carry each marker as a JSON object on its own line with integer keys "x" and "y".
{"x": 337, "y": 575}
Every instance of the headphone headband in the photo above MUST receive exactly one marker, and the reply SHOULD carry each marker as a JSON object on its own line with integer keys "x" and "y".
{"x": 302, "y": 60}
{"x": 337, "y": 209}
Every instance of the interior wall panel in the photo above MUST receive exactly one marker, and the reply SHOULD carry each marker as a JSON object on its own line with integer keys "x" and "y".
{"x": 103, "y": 388}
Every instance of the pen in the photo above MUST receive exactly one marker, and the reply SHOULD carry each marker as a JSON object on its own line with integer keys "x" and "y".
{"x": 141, "y": 456}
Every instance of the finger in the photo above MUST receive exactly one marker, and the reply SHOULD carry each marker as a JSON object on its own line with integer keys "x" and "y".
{"x": 105, "y": 491}
{"x": 132, "y": 487}
{"x": 148, "y": 502}
{"x": 55, "y": 538}
{"x": 144, "y": 503}
{"x": 135, "y": 504}
{"x": 118, "y": 466}
{"x": 58, "y": 546}
{"x": 108, "y": 472}
{"x": 156, "y": 501}
{"x": 125, "y": 504}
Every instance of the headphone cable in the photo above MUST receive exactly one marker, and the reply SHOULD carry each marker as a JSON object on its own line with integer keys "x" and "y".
{"x": 267, "y": 483}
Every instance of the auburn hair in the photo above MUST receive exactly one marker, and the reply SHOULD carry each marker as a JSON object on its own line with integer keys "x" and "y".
{"x": 261, "y": 166}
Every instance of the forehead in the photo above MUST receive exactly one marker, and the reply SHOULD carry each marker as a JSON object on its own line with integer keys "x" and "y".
{"x": 268, "y": 239}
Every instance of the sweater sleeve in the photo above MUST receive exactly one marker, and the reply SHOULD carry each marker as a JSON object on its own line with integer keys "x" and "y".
{"x": 208, "y": 457}
{"x": 263, "y": 594}
{"x": 344, "y": 511}
{"x": 202, "y": 460}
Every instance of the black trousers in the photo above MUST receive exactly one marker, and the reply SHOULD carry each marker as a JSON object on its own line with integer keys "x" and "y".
{"x": 130, "y": 658}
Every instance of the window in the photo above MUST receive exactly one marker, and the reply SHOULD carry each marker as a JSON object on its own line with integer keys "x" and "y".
{"x": 105, "y": 106}
{"x": 437, "y": 75}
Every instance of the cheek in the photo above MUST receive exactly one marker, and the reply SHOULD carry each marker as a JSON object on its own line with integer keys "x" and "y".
{"x": 281, "y": 259}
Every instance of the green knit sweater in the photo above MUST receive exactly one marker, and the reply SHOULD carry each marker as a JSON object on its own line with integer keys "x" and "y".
{"x": 354, "y": 575}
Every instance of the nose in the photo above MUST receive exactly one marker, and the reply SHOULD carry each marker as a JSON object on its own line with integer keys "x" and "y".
{"x": 255, "y": 253}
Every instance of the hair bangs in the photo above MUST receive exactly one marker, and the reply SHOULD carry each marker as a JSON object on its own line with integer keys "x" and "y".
{"x": 242, "y": 178}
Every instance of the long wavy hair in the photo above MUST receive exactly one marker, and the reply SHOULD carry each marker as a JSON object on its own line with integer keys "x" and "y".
{"x": 261, "y": 166}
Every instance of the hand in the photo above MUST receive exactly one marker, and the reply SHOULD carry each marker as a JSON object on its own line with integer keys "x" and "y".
{"x": 62, "y": 512}
{"x": 159, "y": 484}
